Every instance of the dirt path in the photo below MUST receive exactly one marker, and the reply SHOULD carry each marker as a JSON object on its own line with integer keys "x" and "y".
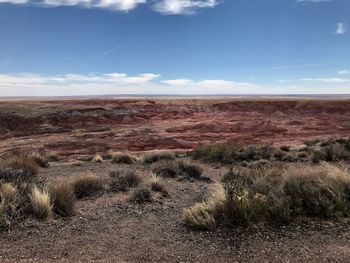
{"x": 111, "y": 229}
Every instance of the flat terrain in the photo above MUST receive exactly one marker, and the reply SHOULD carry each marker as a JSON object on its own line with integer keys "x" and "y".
{"x": 84, "y": 127}
{"x": 110, "y": 228}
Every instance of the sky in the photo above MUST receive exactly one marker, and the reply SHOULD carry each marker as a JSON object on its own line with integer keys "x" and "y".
{"x": 98, "y": 47}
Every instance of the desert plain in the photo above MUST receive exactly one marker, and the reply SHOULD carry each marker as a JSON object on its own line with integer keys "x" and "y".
{"x": 114, "y": 224}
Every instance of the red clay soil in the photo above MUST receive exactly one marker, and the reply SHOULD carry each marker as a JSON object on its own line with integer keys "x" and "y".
{"x": 84, "y": 127}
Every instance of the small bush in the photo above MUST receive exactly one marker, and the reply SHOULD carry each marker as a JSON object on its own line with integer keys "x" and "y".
{"x": 97, "y": 159}
{"x": 41, "y": 203}
{"x": 285, "y": 148}
{"x": 156, "y": 185}
{"x": 191, "y": 170}
{"x": 318, "y": 156}
{"x": 63, "y": 199}
{"x": 41, "y": 160}
{"x": 142, "y": 194}
{"x": 18, "y": 168}
{"x": 202, "y": 216}
{"x": 224, "y": 153}
{"x": 302, "y": 154}
{"x": 9, "y": 200}
{"x": 156, "y": 157}
{"x": 52, "y": 156}
{"x": 122, "y": 181}
{"x": 277, "y": 193}
{"x": 123, "y": 158}
{"x": 166, "y": 169}
{"x": 86, "y": 184}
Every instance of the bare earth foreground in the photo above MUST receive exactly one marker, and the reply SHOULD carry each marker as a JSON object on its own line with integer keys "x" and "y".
{"x": 110, "y": 228}
{"x": 84, "y": 127}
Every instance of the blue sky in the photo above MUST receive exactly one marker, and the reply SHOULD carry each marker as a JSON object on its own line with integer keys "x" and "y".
{"x": 83, "y": 47}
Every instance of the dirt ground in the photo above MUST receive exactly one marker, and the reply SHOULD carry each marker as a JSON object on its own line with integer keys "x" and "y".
{"x": 110, "y": 228}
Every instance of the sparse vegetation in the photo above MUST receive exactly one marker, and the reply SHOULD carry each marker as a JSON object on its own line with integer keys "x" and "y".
{"x": 86, "y": 184}
{"x": 122, "y": 181}
{"x": 276, "y": 193}
{"x": 166, "y": 169}
{"x": 229, "y": 153}
{"x": 142, "y": 194}
{"x": 157, "y": 185}
{"x": 191, "y": 170}
{"x": 123, "y": 158}
{"x": 156, "y": 157}
{"x": 18, "y": 167}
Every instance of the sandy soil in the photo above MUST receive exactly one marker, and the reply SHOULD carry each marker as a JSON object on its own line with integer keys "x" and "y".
{"x": 84, "y": 127}
{"x": 110, "y": 228}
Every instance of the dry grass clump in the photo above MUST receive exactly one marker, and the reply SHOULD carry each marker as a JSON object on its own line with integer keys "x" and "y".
{"x": 41, "y": 203}
{"x": 157, "y": 185}
{"x": 203, "y": 215}
{"x": 63, "y": 199}
{"x": 126, "y": 158}
{"x": 122, "y": 181}
{"x": 52, "y": 156}
{"x": 191, "y": 170}
{"x": 166, "y": 169}
{"x": 97, "y": 159}
{"x": 41, "y": 160}
{"x": 156, "y": 157}
{"x": 142, "y": 194}
{"x": 276, "y": 193}
{"x": 86, "y": 184}
{"x": 228, "y": 153}
{"x": 18, "y": 167}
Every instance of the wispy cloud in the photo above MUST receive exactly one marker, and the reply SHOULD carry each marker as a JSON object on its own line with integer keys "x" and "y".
{"x": 327, "y": 80}
{"x": 341, "y": 29}
{"x": 151, "y": 83}
{"x": 168, "y": 7}
{"x": 343, "y": 72}
{"x": 183, "y": 7}
{"x": 313, "y": 1}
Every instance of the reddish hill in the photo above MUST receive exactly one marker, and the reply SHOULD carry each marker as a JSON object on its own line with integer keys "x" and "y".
{"x": 80, "y": 127}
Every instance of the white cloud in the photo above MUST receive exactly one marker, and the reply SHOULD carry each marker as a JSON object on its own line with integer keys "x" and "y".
{"x": 173, "y": 7}
{"x": 117, "y": 5}
{"x": 314, "y": 1}
{"x": 327, "y": 80}
{"x": 14, "y": 1}
{"x": 150, "y": 83}
{"x": 343, "y": 72}
{"x": 341, "y": 29}
{"x": 162, "y": 6}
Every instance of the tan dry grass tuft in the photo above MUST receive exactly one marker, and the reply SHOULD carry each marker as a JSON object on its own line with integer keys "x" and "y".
{"x": 41, "y": 203}
{"x": 86, "y": 184}
{"x": 202, "y": 216}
